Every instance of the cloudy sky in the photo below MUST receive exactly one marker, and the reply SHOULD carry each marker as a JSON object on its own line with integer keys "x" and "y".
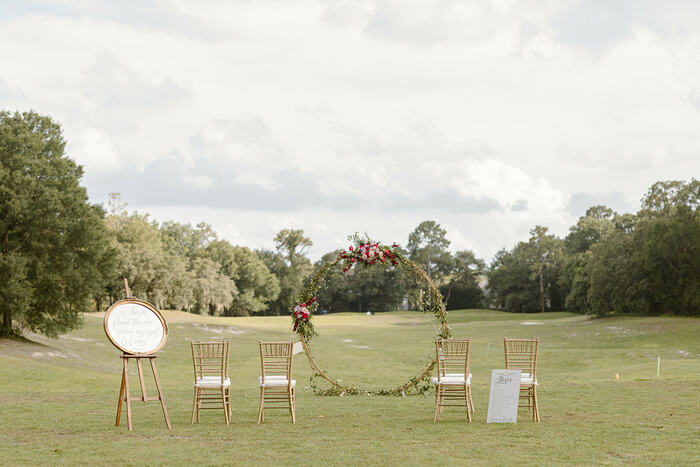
{"x": 489, "y": 117}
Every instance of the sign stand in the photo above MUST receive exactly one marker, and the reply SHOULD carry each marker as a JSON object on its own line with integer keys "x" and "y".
{"x": 124, "y": 395}
{"x": 139, "y": 330}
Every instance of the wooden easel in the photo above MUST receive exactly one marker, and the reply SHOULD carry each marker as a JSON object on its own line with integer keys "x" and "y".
{"x": 124, "y": 395}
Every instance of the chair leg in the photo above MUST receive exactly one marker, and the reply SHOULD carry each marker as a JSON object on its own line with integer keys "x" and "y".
{"x": 470, "y": 403}
{"x": 228, "y": 402}
{"x": 291, "y": 405}
{"x": 535, "y": 404}
{"x": 194, "y": 405}
{"x": 262, "y": 402}
{"x": 466, "y": 402}
{"x": 223, "y": 403}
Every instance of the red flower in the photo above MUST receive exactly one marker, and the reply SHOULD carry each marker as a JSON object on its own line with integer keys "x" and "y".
{"x": 351, "y": 248}
{"x": 305, "y": 315}
{"x": 352, "y": 260}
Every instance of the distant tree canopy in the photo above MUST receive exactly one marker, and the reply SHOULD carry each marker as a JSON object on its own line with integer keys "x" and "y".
{"x": 54, "y": 249}
{"x": 525, "y": 279}
{"x": 289, "y": 264}
{"x": 650, "y": 263}
{"x": 363, "y": 289}
{"x": 643, "y": 263}
{"x": 184, "y": 267}
{"x": 61, "y": 255}
{"x": 462, "y": 288}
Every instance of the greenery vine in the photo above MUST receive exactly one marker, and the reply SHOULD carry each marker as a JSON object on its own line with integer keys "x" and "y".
{"x": 365, "y": 253}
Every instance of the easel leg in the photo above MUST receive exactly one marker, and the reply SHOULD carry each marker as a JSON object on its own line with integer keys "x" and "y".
{"x": 160, "y": 392}
{"x": 143, "y": 386}
{"x": 127, "y": 397}
{"x": 121, "y": 399}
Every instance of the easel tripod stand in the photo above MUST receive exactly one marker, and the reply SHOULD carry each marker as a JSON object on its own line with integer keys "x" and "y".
{"x": 139, "y": 330}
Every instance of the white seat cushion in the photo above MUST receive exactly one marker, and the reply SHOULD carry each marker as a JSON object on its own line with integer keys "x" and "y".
{"x": 212, "y": 382}
{"x": 453, "y": 378}
{"x": 526, "y": 378}
{"x": 275, "y": 382}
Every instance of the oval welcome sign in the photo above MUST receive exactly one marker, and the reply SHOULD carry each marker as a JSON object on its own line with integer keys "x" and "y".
{"x": 135, "y": 327}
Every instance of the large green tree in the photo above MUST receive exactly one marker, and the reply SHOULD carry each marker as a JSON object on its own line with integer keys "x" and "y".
{"x": 54, "y": 250}
{"x": 546, "y": 262}
{"x": 154, "y": 273}
{"x": 616, "y": 271}
{"x": 575, "y": 280}
{"x": 427, "y": 247}
{"x": 668, "y": 227}
{"x": 289, "y": 264}
{"x": 256, "y": 285}
{"x": 463, "y": 289}
{"x": 525, "y": 278}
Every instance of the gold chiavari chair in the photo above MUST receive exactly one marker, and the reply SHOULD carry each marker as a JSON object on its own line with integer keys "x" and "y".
{"x": 521, "y": 354}
{"x": 276, "y": 383}
{"x": 212, "y": 386}
{"x": 453, "y": 381}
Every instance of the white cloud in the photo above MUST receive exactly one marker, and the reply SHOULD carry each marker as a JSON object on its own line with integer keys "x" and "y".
{"x": 489, "y": 117}
{"x": 198, "y": 181}
{"x": 95, "y": 151}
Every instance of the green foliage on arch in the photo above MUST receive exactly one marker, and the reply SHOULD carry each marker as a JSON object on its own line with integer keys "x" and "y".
{"x": 365, "y": 253}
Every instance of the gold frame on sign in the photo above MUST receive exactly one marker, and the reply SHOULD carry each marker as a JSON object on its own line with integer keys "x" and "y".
{"x": 146, "y": 305}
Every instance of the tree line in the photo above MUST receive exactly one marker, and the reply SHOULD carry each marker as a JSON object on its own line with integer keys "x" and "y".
{"x": 61, "y": 255}
{"x": 644, "y": 263}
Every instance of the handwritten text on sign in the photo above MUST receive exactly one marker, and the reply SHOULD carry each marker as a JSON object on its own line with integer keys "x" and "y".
{"x": 503, "y": 401}
{"x": 135, "y": 328}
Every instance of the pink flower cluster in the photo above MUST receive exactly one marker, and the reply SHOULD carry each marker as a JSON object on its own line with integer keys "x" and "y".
{"x": 368, "y": 254}
{"x": 301, "y": 312}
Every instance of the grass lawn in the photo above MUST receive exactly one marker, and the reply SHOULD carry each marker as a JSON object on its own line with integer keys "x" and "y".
{"x": 58, "y": 398}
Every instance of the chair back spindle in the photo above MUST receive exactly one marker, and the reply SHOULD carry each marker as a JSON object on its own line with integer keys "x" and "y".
{"x": 212, "y": 386}
{"x": 521, "y": 354}
{"x": 453, "y": 381}
{"x": 277, "y": 388}
{"x": 210, "y": 359}
{"x": 276, "y": 360}
{"x": 452, "y": 356}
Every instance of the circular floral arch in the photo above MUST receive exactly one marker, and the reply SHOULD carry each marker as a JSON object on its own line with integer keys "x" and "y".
{"x": 365, "y": 253}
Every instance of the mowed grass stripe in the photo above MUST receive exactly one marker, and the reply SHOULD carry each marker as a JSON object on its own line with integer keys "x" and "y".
{"x": 58, "y": 397}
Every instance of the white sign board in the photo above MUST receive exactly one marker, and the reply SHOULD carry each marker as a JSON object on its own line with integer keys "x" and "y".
{"x": 135, "y": 327}
{"x": 297, "y": 348}
{"x": 503, "y": 400}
